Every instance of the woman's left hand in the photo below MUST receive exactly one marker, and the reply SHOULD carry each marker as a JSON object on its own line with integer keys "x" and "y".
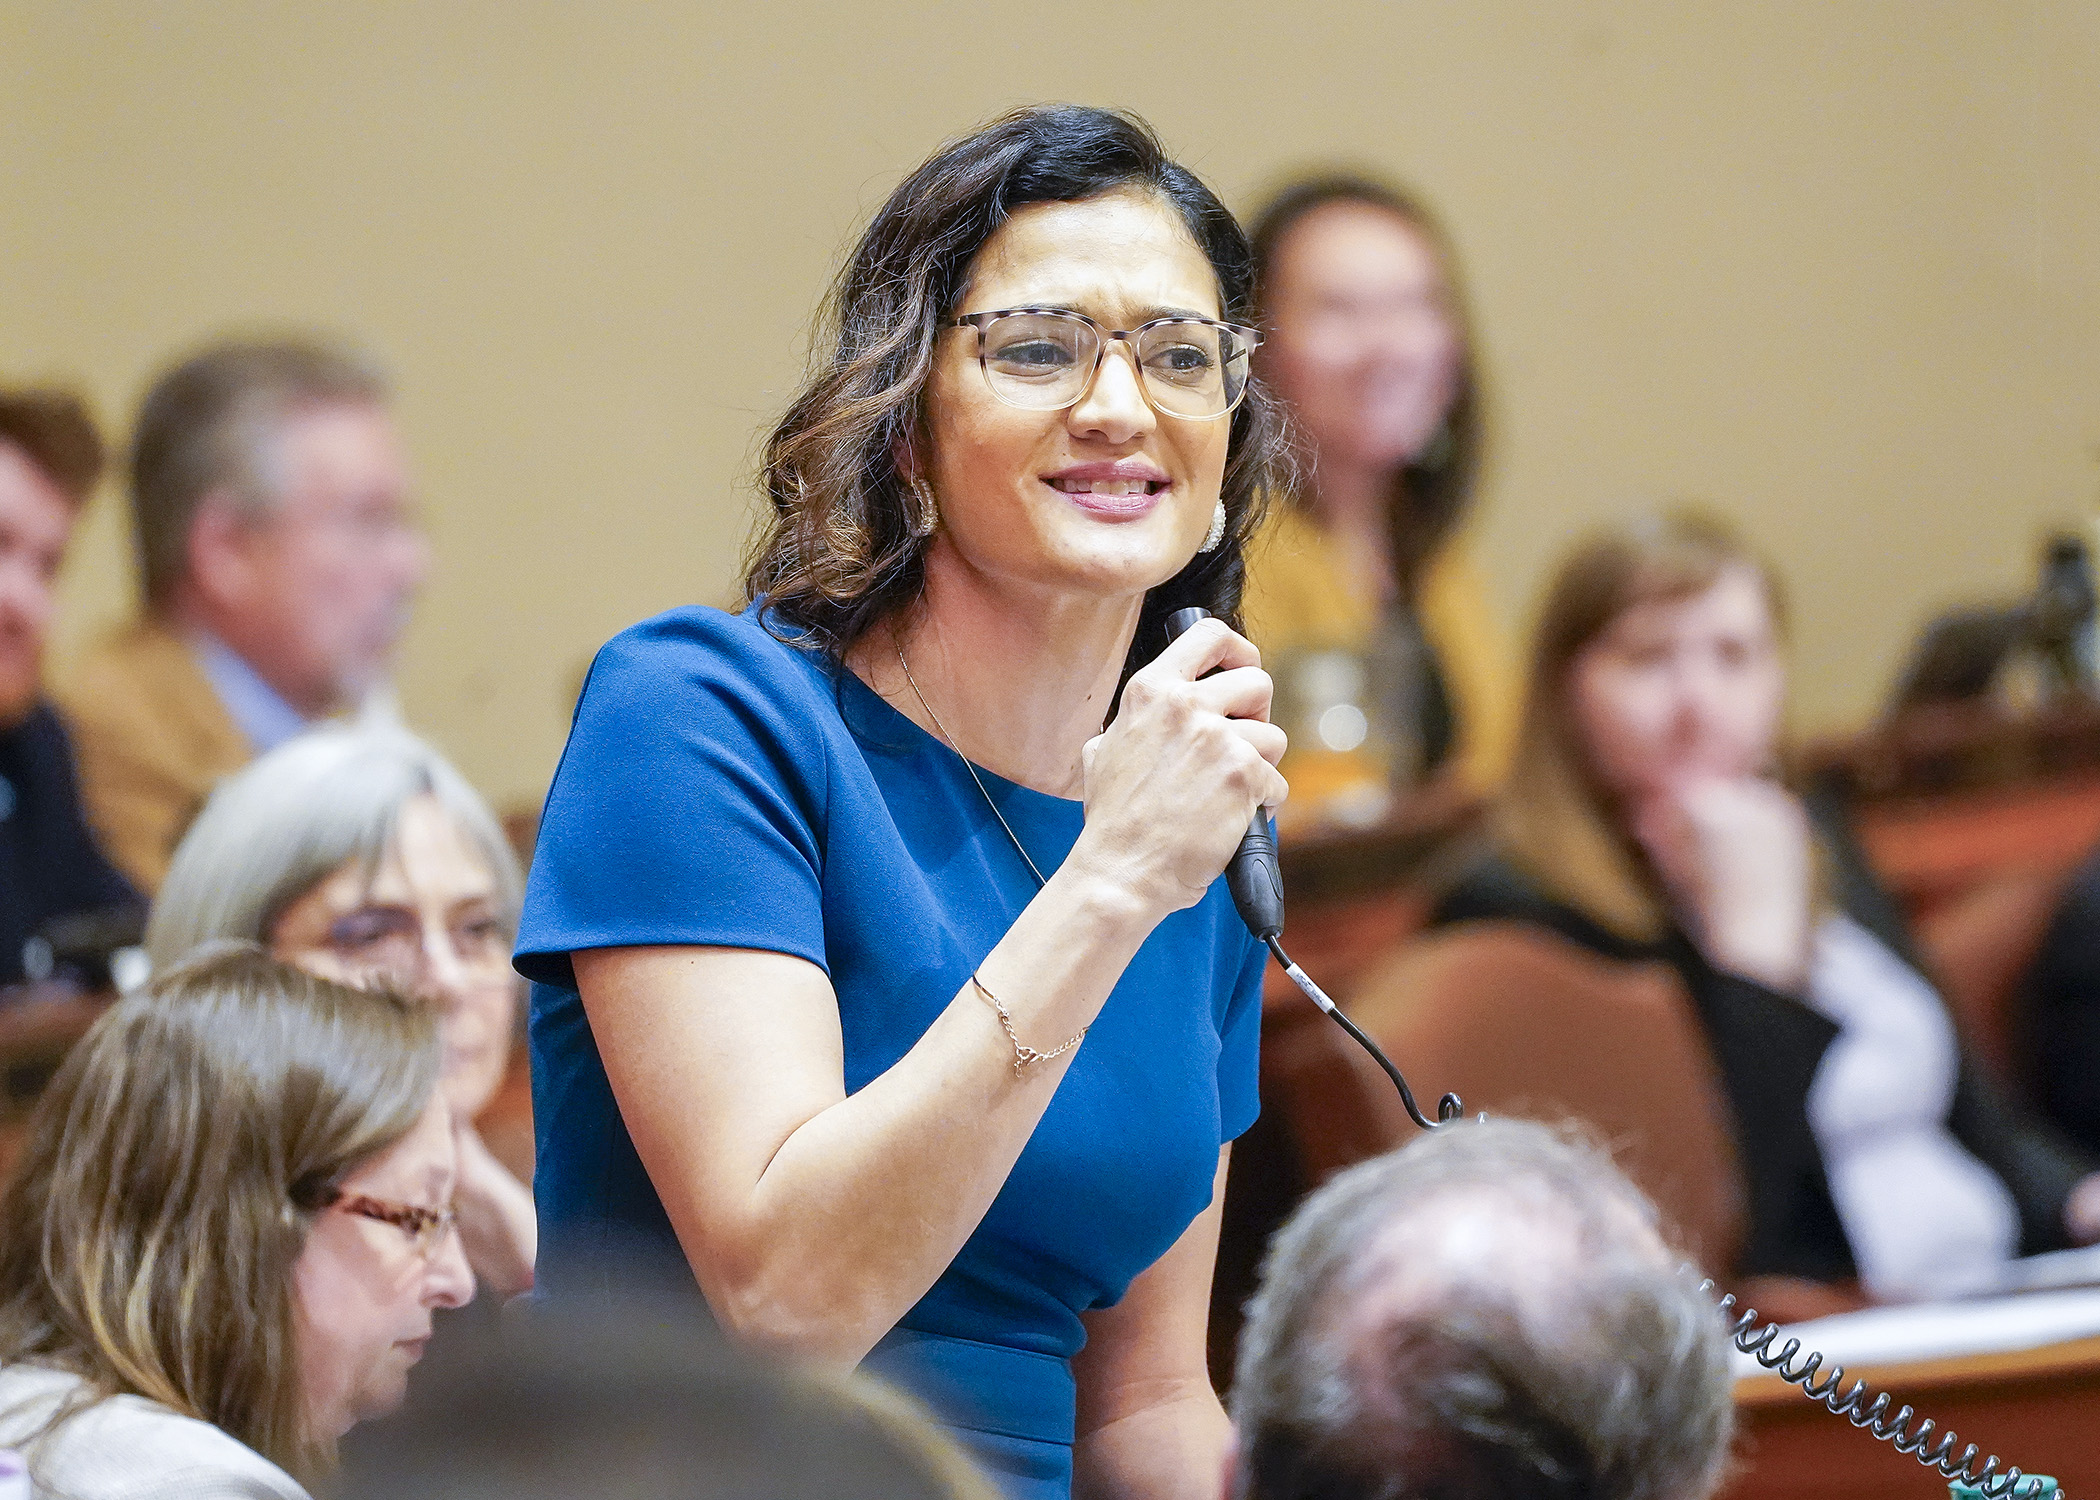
{"x": 498, "y": 1228}
{"x": 1734, "y": 853}
{"x": 2082, "y": 1211}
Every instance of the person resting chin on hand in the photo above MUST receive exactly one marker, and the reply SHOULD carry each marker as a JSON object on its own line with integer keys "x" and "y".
{"x": 1641, "y": 822}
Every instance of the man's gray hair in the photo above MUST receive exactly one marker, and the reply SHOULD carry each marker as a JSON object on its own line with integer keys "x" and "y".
{"x": 211, "y": 424}
{"x": 277, "y": 828}
{"x": 1488, "y": 1311}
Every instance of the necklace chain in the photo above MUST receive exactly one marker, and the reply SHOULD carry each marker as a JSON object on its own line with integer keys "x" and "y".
{"x": 982, "y": 790}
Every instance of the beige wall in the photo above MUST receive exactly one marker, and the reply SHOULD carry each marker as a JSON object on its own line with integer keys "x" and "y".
{"x": 1833, "y": 265}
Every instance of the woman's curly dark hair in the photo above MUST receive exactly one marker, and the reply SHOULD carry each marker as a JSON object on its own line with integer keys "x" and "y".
{"x": 837, "y": 553}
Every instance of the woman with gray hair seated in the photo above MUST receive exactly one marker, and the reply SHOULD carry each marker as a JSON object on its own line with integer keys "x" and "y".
{"x": 360, "y": 855}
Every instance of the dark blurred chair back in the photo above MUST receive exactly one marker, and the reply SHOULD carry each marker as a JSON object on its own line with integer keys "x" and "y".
{"x": 1520, "y": 1022}
{"x": 1978, "y": 945}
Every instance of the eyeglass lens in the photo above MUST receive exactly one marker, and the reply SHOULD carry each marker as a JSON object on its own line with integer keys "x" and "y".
{"x": 1043, "y": 361}
{"x": 426, "y": 1228}
{"x": 389, "y": 941}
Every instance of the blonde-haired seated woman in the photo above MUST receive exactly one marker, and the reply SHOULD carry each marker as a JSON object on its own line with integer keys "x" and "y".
{"x": 227, "y": 1235}
{"x": 360, "y": 855}
{"x": 1642, "y": 821}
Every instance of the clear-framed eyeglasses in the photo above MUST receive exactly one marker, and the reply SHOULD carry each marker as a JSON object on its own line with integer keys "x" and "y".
{"x": 1044, "y": 359}
{"x": 389, "y": 943}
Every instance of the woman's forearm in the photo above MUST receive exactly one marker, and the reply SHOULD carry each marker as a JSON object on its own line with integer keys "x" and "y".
{"x": 1175, "y": 1448}
{"x": 497, "y": 1225}
{"x": 849, "y": 1208}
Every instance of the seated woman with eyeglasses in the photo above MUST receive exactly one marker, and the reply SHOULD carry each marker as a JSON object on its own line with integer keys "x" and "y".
{"x": 883, "y": 964}
{"x": 226, "y": 1236}
{"x": 362, "y": 856}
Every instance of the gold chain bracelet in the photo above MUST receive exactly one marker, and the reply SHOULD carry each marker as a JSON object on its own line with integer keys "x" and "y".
{"x": 1025, "y": 1056}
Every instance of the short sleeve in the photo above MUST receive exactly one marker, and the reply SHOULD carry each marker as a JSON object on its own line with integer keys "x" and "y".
{"x": 688, "y": 806}
{"x": 1239, "y": 1043}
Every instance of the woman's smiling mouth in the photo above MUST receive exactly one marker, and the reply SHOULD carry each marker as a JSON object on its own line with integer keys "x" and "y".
{"x": 1121, "y": 490}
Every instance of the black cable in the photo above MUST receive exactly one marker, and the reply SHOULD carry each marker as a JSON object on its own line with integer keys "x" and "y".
{"x": 1448, "y": 1108}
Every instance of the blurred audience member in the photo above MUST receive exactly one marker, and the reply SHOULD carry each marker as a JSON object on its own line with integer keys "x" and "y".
{"x": 276, "y": 559}
{"x": 647, "y": 1402}
{"x": 1642, "y": 820}
{"x": 1485, "y": 1314}
{"x": 226, "y": 1237}
{"x": 1388, "y": 666}
{"x": 2062, "y": 1011}
{"x": 50, "y": 458}
{"x": 358, "y": 853}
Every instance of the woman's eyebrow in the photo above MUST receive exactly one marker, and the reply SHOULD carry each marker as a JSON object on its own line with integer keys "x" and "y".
{"x": 1143, "y": 314}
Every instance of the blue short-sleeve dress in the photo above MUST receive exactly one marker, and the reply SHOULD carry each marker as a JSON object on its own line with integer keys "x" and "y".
{"x": 724, "y": 788}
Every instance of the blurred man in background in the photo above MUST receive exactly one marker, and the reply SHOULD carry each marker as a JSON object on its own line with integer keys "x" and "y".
{"x": 1488, "y": 1312}
{"x": 50, "y": 869}
{"x": 277, "y": 561}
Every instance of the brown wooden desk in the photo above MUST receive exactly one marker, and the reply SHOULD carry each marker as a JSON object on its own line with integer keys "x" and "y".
{"x": 2039, "y": 1408}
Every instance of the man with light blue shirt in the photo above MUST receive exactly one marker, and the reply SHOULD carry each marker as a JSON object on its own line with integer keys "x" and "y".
{"x": 277, "y": 560}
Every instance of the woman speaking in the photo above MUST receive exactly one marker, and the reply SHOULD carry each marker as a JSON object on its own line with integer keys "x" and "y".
{"x": 879, "y": 949}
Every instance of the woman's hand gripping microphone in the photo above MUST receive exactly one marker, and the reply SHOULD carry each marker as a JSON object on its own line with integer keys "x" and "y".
{"x": 1255, "y": 878}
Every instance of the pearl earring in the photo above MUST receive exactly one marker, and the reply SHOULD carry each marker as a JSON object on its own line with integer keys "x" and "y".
{"x": 1216, "y": 534}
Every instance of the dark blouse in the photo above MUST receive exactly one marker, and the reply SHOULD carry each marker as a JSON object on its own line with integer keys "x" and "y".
{"x": 50, "y": 866}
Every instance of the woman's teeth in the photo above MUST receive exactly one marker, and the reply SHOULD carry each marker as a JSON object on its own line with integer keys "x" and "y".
{"x": 1104, "y": 486}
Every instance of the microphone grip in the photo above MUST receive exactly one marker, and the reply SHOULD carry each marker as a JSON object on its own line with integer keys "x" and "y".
{"x": 1253, "y": 876}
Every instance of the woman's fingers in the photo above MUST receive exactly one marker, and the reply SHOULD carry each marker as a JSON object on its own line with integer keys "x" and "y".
{"x": 1236, "y": 693}
{"x": 1204, "y": 647}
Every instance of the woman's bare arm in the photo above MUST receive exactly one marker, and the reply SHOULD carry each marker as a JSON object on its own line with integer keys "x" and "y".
{"x": 1150, "y": 1423}
{"x": 814, "y": 1220}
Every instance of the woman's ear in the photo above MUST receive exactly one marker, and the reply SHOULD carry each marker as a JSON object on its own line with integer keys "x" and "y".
{"x": 218, "y": 551}
{"x": 904, "y": 459}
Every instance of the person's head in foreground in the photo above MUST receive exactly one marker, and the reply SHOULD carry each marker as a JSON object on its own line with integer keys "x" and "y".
{"x": 270, "y": 502}
{"x": 1487, "y": 1312}
{"x": 234, "y": 1213}
{"x": 640, "y": 1398}
{"x": 360, "y": 855}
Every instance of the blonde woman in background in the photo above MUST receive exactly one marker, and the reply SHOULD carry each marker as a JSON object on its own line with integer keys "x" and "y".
{"x": 362, "y": 856}
{"x": 1388, "y": 667}
{"x": 228, "y": 1233}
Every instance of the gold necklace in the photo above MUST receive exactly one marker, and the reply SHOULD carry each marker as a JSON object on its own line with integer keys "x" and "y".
{"x": 982, "y": 790}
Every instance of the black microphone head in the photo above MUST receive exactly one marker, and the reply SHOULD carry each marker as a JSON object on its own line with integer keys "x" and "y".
{"x": 1179, "y": 622}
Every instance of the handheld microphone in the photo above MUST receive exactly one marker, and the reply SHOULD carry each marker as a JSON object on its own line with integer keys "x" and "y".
{"x": 1253, "y": 876}
{"x": 1256, "y": 881}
